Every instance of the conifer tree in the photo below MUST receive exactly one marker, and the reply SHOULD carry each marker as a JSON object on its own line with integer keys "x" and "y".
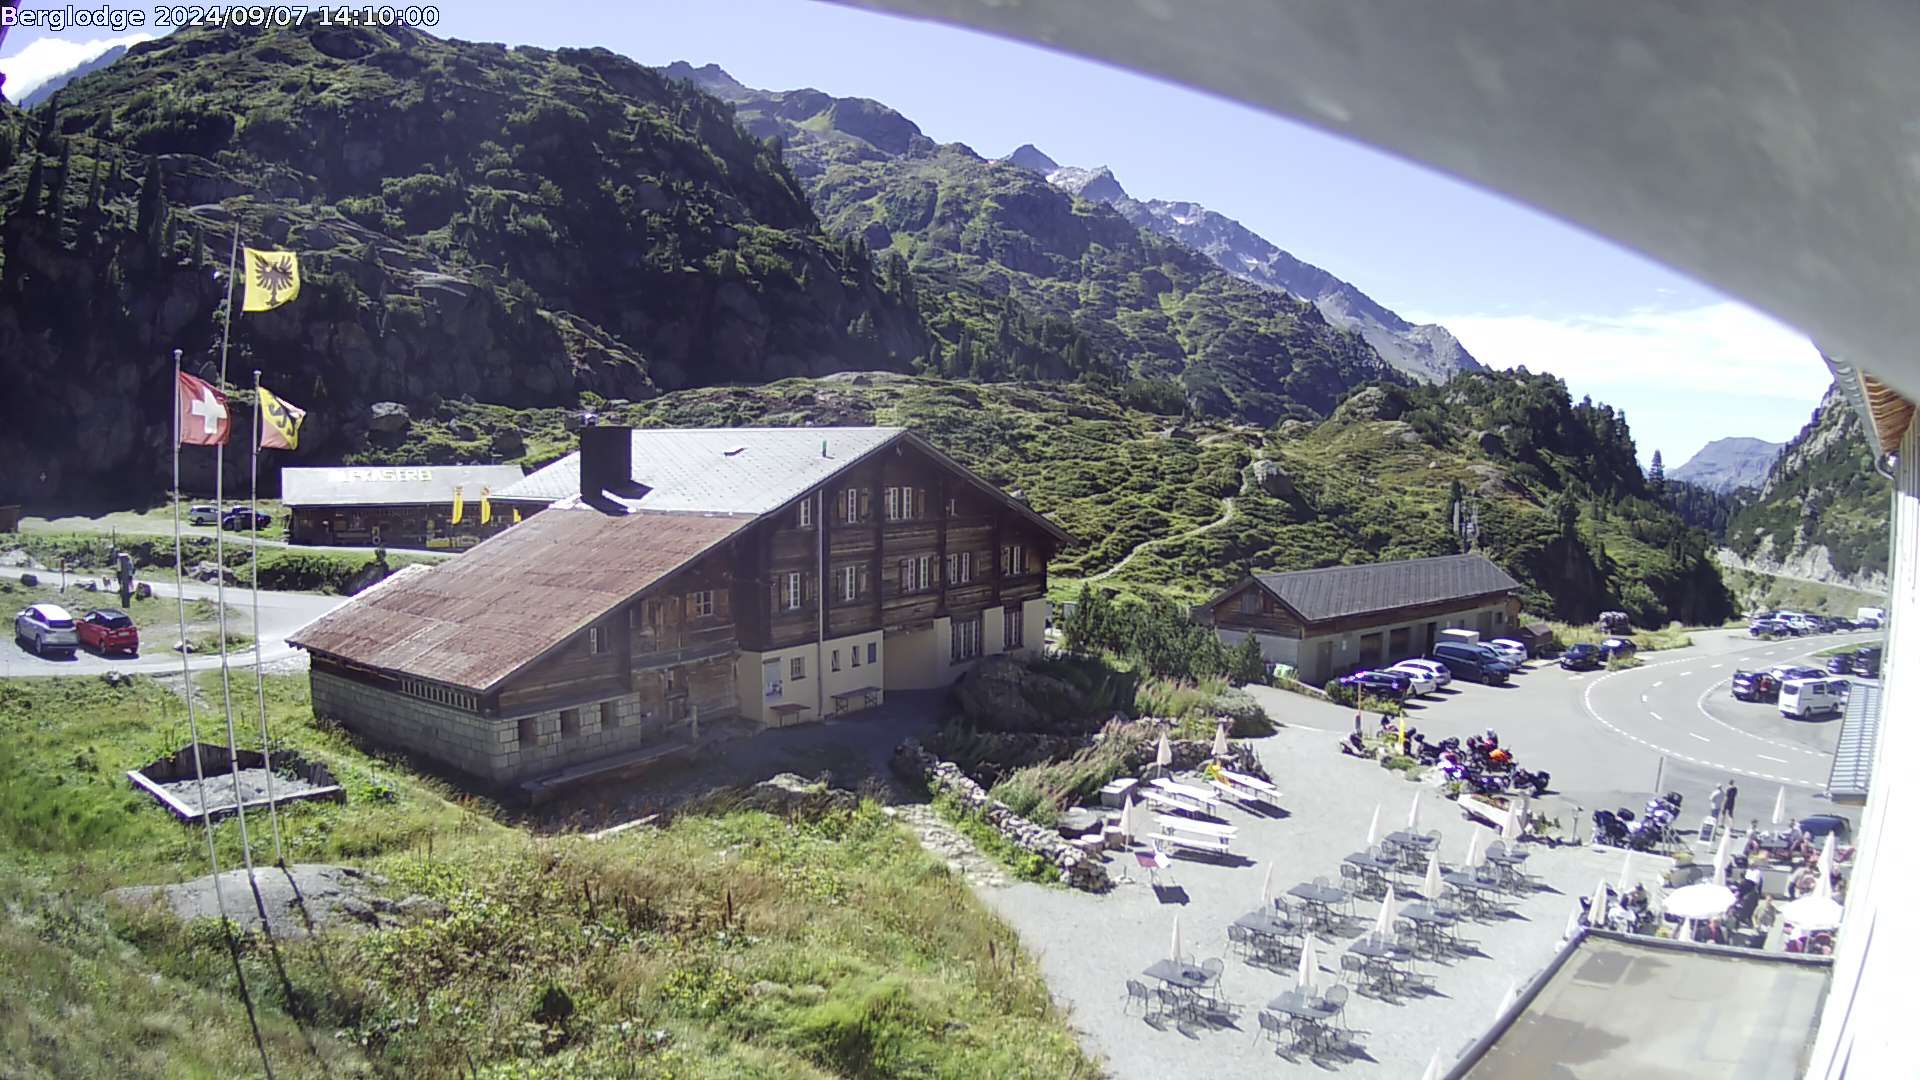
{"x": 36, "y": 174}
{"x": 152, "y": 205}
{"x": 57, "y": 190}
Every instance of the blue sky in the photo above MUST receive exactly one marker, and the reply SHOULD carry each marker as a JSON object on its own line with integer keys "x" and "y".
{"x": 1687, "y": 364}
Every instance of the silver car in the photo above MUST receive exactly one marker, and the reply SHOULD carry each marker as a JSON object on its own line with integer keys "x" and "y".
{"x": 46, "y": 628}
{"x": 203, "y": 515}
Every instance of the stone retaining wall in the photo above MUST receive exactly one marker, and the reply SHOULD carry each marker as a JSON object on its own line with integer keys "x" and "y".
{"x": 1076, "y": 867}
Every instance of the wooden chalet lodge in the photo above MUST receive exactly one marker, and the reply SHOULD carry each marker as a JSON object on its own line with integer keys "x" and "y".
{"x": 684, "y": 579}
{"x": 1337, "y": 619}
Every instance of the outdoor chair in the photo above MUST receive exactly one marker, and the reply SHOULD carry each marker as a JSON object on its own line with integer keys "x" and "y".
{"x": 1213, "y": 968}
{"x": 1336, "y": 1000}
{"x": 1171, "y": 1000}
{"x": 1239, "y": 939}
{"x": 1137, "y": 991}
{"x": 1353, "y": 965}
{"x": 1271, "y": 1025}
{"x": 1380, "y": 974}
{"x": 1350, "y": 876}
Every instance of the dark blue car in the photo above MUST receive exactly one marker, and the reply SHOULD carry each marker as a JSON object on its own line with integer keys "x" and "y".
{"x": 1382, "y": 684}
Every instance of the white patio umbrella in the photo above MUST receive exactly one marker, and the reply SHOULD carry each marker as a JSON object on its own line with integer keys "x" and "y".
{"x": 1507, "y": 999}
{"x": 1473, "y": 852}
{"x": 1413, "y": 813}
{"x": 1308, "y": 977}
{"x": 1597, "y": 907}
{"x": 1431, "y": 886}
{"x": 1266, "y": 889}
{"x": 1163, "y": 755}
{"x": 1626, "y": 872}
{"x": 1433, "y": 1068}
{"x": 1175, "y": 954}
{"x": 1780, "y": 807}
{"x": 1512, "y": 829}
{"x": 1721, "y": 855}
{"x": 1812, "y": 912}
{"x": 1130, "y": 819}
{"x": 1220, "y": 741}
{"x": 1573, "y": 922}
{"x": 1826, "y": 859}
{"x": 1701, "y": 900}
{"x": 1373, "y": 827}
{"x": 1383, "y": 925}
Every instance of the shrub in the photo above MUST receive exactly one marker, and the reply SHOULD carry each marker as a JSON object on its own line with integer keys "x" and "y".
{"x": 1621, "y": 663}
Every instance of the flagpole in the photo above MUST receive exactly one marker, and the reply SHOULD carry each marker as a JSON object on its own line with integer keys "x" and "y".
{"x": 186, "y": 669}
{"x": 220, "y": 588}
{"x": 259, "y": 678}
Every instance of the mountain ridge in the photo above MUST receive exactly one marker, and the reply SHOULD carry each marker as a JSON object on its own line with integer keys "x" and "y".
{"x": 1728, "y": 464}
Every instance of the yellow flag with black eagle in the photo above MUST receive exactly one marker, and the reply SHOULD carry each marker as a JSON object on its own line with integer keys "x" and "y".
{"x": 279, "y": 422}
{"x": 272, "y": 279}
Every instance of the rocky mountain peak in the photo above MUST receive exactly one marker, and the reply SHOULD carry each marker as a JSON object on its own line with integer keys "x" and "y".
{"x": 1093, "y": 185}
{"x": 709, "y": 77}
{"x": 1029, "y": 157}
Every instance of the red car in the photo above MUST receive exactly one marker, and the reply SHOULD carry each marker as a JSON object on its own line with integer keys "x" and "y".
{"x": 105, "y": 631}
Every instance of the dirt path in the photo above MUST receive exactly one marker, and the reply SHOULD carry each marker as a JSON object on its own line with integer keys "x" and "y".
{"x": 1226, "y": 515}
{"x": 945, "y": 843}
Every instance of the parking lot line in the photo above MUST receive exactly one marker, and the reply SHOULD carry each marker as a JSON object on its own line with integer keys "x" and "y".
{"x": 1699, "y": 736}
{"x": 1768, "y": 757}
{"x": 1655, "y": 715}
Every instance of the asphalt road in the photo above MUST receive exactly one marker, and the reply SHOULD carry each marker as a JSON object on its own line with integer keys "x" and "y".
{"x": 1607, "y": 736}
{"x": 281, "y": 613}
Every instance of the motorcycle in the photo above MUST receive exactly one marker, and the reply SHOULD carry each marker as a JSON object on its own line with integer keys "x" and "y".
{"x": 1537, "y": 781}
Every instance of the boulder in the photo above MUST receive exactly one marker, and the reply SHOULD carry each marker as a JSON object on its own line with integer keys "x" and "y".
{"x": 796, "y": 796}
{"x": 1270, "y": 478}
{"x": 389, "y": 417}
{"x": 1372, "y": 403}
{"x": 29, "y": 579}
{"x": 1002, "y": 694}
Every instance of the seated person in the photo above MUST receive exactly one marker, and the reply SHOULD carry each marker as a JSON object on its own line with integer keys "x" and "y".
{"x": 1637, "y": 899}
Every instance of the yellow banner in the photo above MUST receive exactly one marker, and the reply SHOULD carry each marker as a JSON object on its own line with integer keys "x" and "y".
{"x": 486, "y": 507}
{"x": 459, "y": 503}
{"x": 272, "y": 278}
{"x": 279, "y": 422}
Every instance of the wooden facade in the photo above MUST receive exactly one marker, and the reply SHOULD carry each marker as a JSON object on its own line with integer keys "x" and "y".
{"x": 409, "y": 525}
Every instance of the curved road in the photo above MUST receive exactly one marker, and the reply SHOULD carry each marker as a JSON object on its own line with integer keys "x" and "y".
{"x": 281, "y": 613}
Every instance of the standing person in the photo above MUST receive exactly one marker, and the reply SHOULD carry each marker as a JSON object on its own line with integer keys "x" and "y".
{"x": 1733, "y": 792}
{"x": 1717, "y": 802}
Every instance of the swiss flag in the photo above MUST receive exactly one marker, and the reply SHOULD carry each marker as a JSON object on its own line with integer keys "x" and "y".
{"x": 204, "y": 420}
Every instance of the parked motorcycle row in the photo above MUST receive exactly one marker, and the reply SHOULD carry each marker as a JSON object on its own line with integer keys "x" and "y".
{"x": 1483, "y": 765}
{"x": 1644, "y": 831}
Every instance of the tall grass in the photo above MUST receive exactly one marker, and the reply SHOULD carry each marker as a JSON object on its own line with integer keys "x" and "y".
{"x": 1671, "y": 636}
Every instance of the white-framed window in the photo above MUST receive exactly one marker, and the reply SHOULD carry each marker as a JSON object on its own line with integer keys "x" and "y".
{"x": 850, "y": 506}
{"x": 899, "y": 503}
{"x": 836, "y": 659}
{"x": 966, "y": 638}
{"x": 797, "y": 668}
{"x": 916, "y": 574}
{"x": 770, "y": 678}
{"x": 806, "y": 513}
{"x": 1013, "y": 634}
{"x": 596, "y": 641}
{"x": 1013, "y": 560}
{"x": 849, "y": 583}
{"x": 856, "y": 655}
{"x": 700, "y": 604}
{"x": 791, "y": 593}
{"x": 959, "y": 567}
{"x": 953, "y": 507}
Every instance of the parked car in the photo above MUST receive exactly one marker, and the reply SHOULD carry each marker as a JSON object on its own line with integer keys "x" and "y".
{"x": 1768, "y": 627}
{"x": 1510, "y": 650}
{"x": 1421, "y": 679}
{"x": 1617, "y": 648}
{"x": 203, "y": 515}
{"x": 1475, "y": 663}
{"x": 1788, "y": 672}
{"x": 1582, "y": 657}
{"x": 1810, "y": 699}
{"x": 1381, "y": 684}
{"x": 1440, "y": 672}
{"x": 1755, "y": 686}
{"x": 46, "y": 628}
{"x": 242, "y": 518}
{"x": 104, "y": 630}
{"x": 1840, "y": 664}
{"x": 1866, "y": 662}
{"x": 1819, "y": 826}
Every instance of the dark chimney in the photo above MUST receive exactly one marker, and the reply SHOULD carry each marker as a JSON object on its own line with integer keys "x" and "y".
{"x": 606, "y": 461}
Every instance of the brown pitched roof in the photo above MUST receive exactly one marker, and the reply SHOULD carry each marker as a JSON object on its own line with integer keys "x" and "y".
{"x": 474, "y": 620}
{"x": 1337, "y": 591}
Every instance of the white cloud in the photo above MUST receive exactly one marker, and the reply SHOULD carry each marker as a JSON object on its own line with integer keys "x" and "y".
{"x": 1716, "y": 348}
{"x": 45, "y": 57}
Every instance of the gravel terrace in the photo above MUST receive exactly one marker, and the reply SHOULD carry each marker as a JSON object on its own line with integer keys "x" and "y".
{"x": 253, "y": 789}
{"x": 1088, "y": 946}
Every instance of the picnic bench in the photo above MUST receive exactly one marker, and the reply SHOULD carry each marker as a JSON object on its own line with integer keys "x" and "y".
{"x": 1238, "y": 790}
{"x": 1199, "y": 798}
{"x": 861, "y": 697}
{"x": 1182, "y": 834}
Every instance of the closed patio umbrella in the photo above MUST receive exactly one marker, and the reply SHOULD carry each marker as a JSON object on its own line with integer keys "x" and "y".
{"x": 1507, "y": 999}
{"x": 1431, "y": 886}
{"x": 1473, "y": 852}
{"x": 1266, "y": 889}
{"x": 1721, "y": 856}
{"x": 1826, "y": 859}
{"x": 1573, "y": 922}
{"x": 1373, "y": 827}
{"x": 1308, "y": 977}
{"x": 1597, "y": 907}
{"x": 1130, "y": 819}
{"x": 1220, "y": 742}
{"x": 1163, "y": 754}
{"x": 1175, "y": 954}
{"x": 1512, "y": 829}
{"x": 1626, "y": 872}
{"x": 1383, "y": 926}
{"x": 1413, "y": 813}
{"x": 1433, "y": 1068}
{"x": 1780, "y": 807}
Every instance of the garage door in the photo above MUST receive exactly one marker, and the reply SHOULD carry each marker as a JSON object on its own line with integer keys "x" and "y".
{"x": 1399, "y": 643}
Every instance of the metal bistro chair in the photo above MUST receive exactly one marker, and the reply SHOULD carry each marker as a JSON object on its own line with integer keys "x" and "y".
{"x": 1213, "y": 968}
{"x": 1271, "y": 1025}
{"x": 1171, "y": 1000}
{"x": 1336, "y": 999}
{"x": 1352, "y": 877}
{"x": 1356, "y": 966}
{"x": 1239, "y": 939}
{"x": 1137, "y": 991}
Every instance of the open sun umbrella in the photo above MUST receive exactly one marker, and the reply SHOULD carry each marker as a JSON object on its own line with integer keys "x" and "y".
{"x": 1431, "y": 886}
{"x": 1701, "y": 900}
{"x": 1383, "y": 926}
{"x": 1220, "y": 741}
{"x": 1810, "y": 913}
{"x": 1413, "y": 813}
{"x": 1176, "y": 938}
{"x": 1597, "y": 907}
{"x": 1308, "y": 977}
{"x": 1780, "y": 807}
{"x": 1373, "y": 827}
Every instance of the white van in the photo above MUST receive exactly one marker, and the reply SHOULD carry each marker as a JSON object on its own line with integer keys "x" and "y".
{"x": 1807, "y": 699}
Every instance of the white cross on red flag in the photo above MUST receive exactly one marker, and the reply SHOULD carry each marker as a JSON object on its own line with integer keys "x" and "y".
{"x": 204, "y": 420}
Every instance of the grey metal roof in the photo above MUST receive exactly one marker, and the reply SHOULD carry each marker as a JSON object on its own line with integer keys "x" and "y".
{"x": 385, "y": 485}
{"x": 1335, "y": 592}
{"x": 1852, "y": 772}
{"x": 719, "y": 470}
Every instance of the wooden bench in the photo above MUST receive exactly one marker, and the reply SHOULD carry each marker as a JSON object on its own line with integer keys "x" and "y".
{"x": 787, "y": 713}
{"x": 867, "y": 696}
